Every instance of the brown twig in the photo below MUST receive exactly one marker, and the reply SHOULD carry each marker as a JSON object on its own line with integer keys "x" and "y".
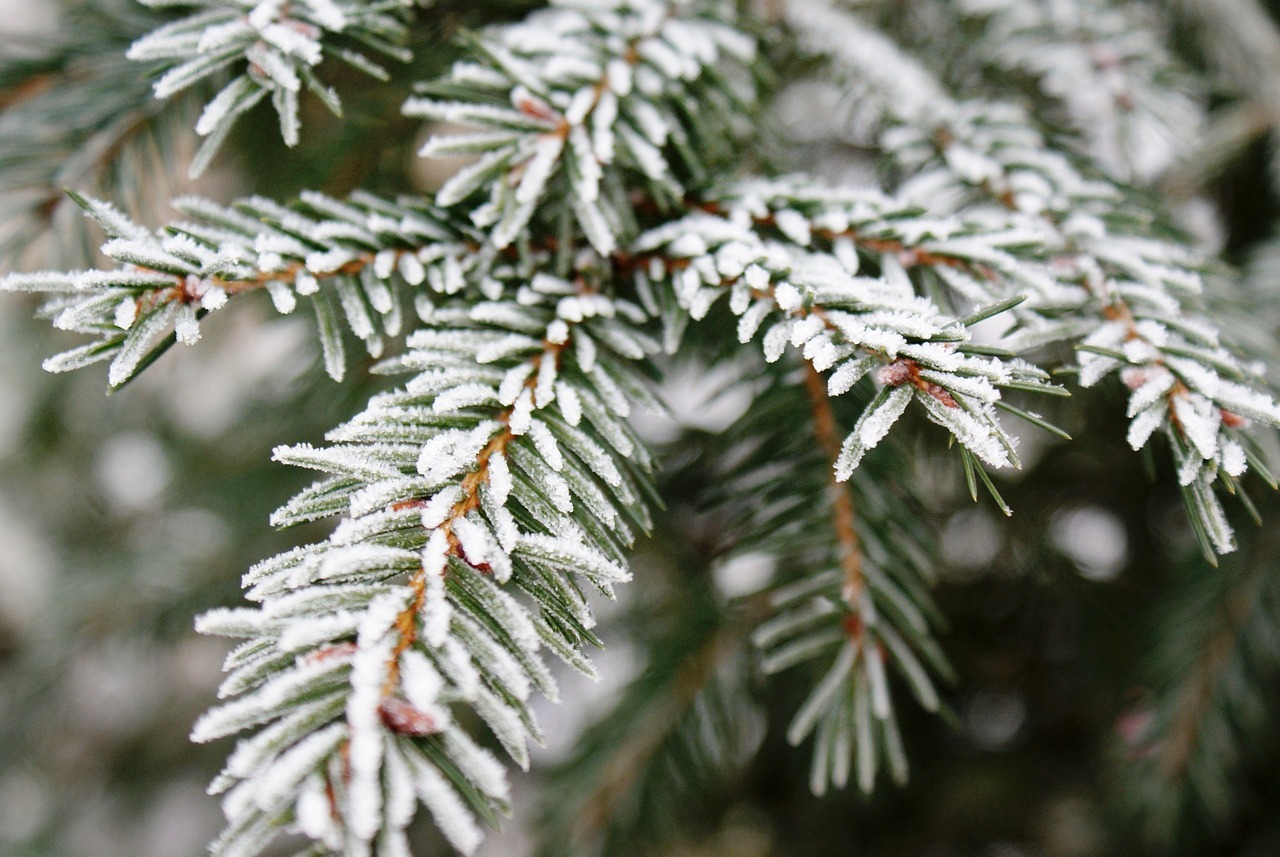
{"x": 843, "y": 514}
{"x": 406, "y": 623}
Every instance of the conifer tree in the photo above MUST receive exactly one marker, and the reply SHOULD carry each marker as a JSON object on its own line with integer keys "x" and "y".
{"x": 746, "y": 316}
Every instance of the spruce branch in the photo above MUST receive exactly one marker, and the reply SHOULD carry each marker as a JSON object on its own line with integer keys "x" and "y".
{"x": 351, "y": 258}
{"x": 610, "y": 205}
{"x": 583, "y": 100}
{"x": 1106, "y": 64}
{"x": 501, "y": 468}
{"x": 842, "y": 318}
{"x": 273, "y": 47}
{"x": 1110, "y": 277}
{"x": 848, "y": 600}
{"x": 1240, "y": 42}
{"x": 1181, "y": 741}
{"x": 843, "y": 516}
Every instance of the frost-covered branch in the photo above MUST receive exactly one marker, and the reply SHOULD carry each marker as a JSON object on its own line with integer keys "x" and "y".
{"x": 846, "y": 320}
{"x": 584, "y": 100}
{"x": 848, "y": 600}
{"x": 272, "y": 48}
{"x": 825, "y": 272}
{"x": 1109, "y": 278}
{"x": 350, "y": 258}
{"x": 850, "y": 706}
{"x": 504, "y": 465}
{"x": 608, "y": 212}
{"x": 1107, "y": 65}
{"x": 478, "y": 501}
{"x": 75, "y": 113}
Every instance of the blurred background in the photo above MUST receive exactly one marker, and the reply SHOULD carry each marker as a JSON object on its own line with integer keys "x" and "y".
{"x": 1114, "y": 695}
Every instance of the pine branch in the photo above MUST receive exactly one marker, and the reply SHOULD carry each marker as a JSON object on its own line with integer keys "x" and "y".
{"x": 502, "y": 467}
{"x": 848, "y": 595}
{"x": 1240, "y": 42}
{"x": 273, "y": 47}
{"x": 569, "y": 110}
{"x": 1106, "y": 64}
{"x": 561, "y": 520}
{"x": 842, "y": 319}
{"x": 170, "y": 273}
{"x": 483, "y": 499}
{"x": 351, "y": 258}
{"x": 1107, "y": 279}
{"x": 843, "y": 517}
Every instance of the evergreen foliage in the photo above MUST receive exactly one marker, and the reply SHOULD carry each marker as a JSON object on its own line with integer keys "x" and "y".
{"x": 1007, "y": 262}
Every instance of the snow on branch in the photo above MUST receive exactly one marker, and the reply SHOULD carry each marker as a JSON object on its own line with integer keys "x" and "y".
{"x": 1110, "y": 280}
{"x": 846, "y": 320}
{"x": 480, "y": 502}
{"x": 582, "y": 97}
{"x": 351, "y": 258}
{"x": 1107, "y": 65}
{"x": 272, "y": 48}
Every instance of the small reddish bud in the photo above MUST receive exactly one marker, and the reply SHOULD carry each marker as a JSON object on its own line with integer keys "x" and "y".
{"x": 400, "y": 715}
{"x": 853, "y": 625}
{"x": 896, "y": 373}
{"x": 941, "y": 395}
{"x": 326, "y": 653}
{"x": 535, "y": 107}
{"x": 482, "y": 567}
{"x": 1134, "y": 377}
{"x": 1234, "y": 420}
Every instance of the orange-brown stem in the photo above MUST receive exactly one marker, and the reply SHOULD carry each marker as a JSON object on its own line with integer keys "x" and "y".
{"x": 843, "y": 517}
{"x": 406, "y": 623}
{"x": 179, "y": 291}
